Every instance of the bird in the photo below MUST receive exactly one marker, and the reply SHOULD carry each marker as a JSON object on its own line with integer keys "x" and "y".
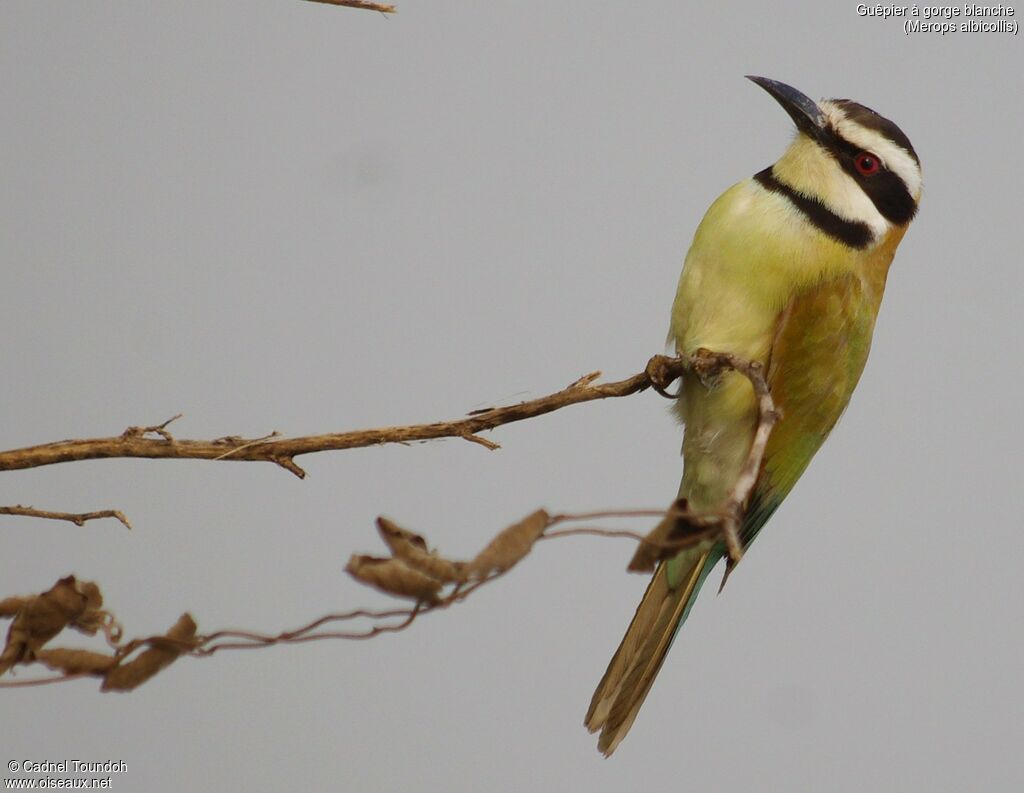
{"x": 787, "y": 268}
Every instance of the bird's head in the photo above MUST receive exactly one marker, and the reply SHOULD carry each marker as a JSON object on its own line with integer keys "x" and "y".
{"x": 854, "y": 163}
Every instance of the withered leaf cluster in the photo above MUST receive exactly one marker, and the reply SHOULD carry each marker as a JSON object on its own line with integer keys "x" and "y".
{"x": 414, "y": 571}
{"x": 70, "y": 603}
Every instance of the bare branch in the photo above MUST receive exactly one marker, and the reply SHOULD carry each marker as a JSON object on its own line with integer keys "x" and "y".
{"x": 247, "y": 640}
{"x": 282, "y": 451}
{"x": 78, "y": 518}
{"x": 383, "y": 8}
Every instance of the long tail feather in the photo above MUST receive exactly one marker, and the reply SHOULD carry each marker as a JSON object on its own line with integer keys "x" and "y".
{"x": 635, "y": 664}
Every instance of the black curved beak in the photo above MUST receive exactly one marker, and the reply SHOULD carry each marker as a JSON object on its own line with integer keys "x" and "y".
{"x": 801, "y": 108}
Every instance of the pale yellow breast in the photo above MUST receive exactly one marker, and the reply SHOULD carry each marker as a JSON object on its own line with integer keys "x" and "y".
{"x": 751, "y": 253}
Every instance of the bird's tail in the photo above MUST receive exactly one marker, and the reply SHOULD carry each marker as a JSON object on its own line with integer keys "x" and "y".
{"x": 632, "y": 670}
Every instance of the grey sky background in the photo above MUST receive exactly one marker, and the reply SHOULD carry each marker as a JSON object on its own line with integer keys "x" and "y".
{"x": 287, "y": 216}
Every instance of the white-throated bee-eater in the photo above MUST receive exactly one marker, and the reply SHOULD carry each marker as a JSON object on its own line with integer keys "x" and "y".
{"x": 786, "y": 268}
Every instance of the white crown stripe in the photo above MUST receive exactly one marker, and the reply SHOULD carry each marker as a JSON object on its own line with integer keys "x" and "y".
{"x": 893, "y": 156}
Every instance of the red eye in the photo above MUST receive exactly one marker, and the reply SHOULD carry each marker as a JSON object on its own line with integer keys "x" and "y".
{"x": 867, "y": 164}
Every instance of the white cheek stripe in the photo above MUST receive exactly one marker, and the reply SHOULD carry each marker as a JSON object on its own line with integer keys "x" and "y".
{"x": 849, "y": 194}
{"x": 809, "y": 169}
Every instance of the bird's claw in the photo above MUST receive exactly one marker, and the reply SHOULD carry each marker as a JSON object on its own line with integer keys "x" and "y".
{"x": 661, "y": 373}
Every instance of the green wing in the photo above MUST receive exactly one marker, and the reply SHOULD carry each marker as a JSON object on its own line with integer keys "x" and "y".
{"x": 816, "y": 359}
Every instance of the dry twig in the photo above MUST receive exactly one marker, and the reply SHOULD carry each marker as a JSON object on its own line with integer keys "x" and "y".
{"x": 383, "y": 8}
{"x": 78, "y": 518}
{"x": 134, "y": 442}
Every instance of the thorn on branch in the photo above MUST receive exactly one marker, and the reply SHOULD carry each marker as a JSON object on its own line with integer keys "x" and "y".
{"x": 490, "y": 445}
{"x": 288, "y": 464}
{"x": 156, "y": 429}
{"x": 584, "y": 381}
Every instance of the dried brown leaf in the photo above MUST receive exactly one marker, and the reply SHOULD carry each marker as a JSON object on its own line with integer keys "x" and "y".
{"x": 676, "y": 531}
{"x": 399, "y": 541}
{"x": 649, "y": 552}
{"x": 394, "y": 577}
{"x": 92, "y": 618}
{"x": 12, "y": 605}
{"x": 68, "y": 602}
{"x": 511, "y": 545}
{"x": 162, "y": 651}
{"x": 74, "y": 662}
{"x": 412, "y": 549}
